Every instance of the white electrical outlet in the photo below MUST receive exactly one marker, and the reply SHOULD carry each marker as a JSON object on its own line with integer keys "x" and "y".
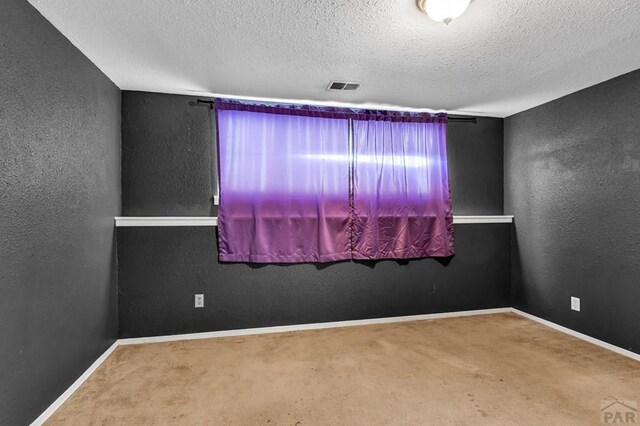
{"x": 575, "y": 303}
{"x": 199, "y": 300}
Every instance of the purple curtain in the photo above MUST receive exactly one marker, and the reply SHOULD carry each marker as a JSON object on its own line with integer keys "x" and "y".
{"x": 401, "y": 198}
{"x": 284, "y": 187}
{"x": 292, "y": 189}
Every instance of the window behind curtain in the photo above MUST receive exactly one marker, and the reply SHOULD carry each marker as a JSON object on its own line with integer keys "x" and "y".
{"x": 284, "y": 187}
{"x": 311, "y": 184}
{"x": 401, "y": 199}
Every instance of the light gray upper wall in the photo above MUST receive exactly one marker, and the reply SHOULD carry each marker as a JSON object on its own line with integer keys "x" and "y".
{"x": 59, "y": 192}
{"x": 572, "y": 180}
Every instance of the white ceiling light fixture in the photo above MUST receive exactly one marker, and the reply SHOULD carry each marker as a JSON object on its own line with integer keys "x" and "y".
{"x": 443, "y": 10}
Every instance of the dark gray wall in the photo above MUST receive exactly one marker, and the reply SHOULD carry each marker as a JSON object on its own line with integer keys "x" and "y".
{"x": 59, "y": 192}
{"x": 475, "y": 153}
{"x": 168, "y": 169}
{"x": 572, "y": 180}
{"x": 162, "y": 268}
{"x": 168, "y": 159}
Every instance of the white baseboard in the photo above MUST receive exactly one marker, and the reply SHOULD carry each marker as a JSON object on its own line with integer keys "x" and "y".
{"x": 302, "y": 327}
{"x": 315, "y": 326}
{"x": 579, "y": 335}
{"x": 62, "y": 398}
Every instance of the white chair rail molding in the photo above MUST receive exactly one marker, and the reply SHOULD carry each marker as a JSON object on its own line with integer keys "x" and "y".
{"x": 138, "y": 221}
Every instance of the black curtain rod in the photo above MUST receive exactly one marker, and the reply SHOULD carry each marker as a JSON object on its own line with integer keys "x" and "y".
{"x": 463, "y": 119}
{"x": 202, "y": 101}
{"x": 456, "y": 119}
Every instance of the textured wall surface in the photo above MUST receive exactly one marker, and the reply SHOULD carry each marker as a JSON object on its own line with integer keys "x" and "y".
{"x": 167, "y": 169}
{"x": 572, "y": 180}
{"x": 59, "y": 191}
{"x": 475, "y": 158}
{"x": 160, "y": 270}
{"x": 168, "y": 159}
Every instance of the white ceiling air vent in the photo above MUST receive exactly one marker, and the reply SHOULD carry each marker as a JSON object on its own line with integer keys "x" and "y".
{"x": 342, "y": 85}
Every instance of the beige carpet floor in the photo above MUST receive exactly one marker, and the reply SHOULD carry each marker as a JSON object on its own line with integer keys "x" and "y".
{"x": 489, "y": 369}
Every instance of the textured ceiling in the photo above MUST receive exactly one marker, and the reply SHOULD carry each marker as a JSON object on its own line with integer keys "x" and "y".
{"x": 499, "y": 58}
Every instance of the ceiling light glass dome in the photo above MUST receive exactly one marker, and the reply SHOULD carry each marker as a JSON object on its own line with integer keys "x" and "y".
{"x": 443, "y": 10}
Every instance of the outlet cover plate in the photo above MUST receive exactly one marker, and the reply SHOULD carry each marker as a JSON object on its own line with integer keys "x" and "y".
{"x": 575, "y": 303}
{"x": 199, "y": 301}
